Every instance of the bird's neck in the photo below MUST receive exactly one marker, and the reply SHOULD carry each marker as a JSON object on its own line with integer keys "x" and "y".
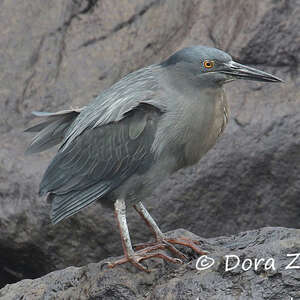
{"x": 196, "y": 112}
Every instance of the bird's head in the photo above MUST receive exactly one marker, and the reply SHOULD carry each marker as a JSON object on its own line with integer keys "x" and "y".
{"x": 211, "y": 65}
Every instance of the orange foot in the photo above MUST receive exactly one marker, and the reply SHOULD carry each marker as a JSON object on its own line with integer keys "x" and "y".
{"x": 169, "y": 242}
{"x": 144, "y": 254}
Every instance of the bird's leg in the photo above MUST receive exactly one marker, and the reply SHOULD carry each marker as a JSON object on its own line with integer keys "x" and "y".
{"x": 161, "y": 238}
{"x": 130, "y": 256}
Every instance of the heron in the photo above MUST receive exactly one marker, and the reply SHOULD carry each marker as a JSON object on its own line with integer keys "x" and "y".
{"x": 135, "y": 134}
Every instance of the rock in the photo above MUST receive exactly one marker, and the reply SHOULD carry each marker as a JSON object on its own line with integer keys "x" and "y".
{"x": 54, "y": 55}
{"x": 255, "y": 264}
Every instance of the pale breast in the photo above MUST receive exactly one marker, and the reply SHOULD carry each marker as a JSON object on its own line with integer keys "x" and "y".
{"x": 190, "y": 126}
{"x": 206, "y": 125}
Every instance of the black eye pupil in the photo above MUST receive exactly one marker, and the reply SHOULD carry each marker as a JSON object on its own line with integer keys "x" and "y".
{"x": 208, "y": 64}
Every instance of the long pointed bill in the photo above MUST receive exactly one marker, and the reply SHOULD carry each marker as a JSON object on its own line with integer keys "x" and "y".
{"x": 240, "y": 71}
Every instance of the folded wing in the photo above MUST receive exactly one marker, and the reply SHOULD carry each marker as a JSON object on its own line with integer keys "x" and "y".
{"x": 99, "y": 159}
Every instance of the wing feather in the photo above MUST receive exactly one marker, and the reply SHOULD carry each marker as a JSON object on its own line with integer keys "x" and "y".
{"x": 51, "y": 131}
{"x": 98, "y": 161}
{"x": 113, "y": 104}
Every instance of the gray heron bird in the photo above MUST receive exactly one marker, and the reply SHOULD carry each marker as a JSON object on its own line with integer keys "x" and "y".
{"x": 136, "y": 133}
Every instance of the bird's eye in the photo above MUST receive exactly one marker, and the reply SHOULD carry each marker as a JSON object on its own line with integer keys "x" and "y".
{"x": 208, "y": 64}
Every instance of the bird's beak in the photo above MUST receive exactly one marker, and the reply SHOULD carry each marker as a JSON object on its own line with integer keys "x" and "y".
{"x": 240, "y": 71}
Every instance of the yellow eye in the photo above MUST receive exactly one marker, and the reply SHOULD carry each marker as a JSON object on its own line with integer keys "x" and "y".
{"x": 208, "y": 64}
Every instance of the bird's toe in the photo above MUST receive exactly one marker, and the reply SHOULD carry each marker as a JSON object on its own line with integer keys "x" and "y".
{"x": 193, "y": 244}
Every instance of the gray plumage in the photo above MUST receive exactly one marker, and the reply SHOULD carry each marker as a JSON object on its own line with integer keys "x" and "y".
{"x": 139, "y": 131}
{"x": 52, "y": 131}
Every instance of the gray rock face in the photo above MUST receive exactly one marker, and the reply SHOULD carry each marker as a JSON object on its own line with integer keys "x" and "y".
{"x": 251, "y": 265}
{"x": 57, "y": 54}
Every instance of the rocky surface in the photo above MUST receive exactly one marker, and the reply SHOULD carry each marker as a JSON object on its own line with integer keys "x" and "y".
{"x": 57, "y": 54}
{"x": 226, "y": 279}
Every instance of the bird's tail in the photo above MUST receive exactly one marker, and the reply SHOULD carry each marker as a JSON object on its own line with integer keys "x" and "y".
{"x": 50, "y": 131}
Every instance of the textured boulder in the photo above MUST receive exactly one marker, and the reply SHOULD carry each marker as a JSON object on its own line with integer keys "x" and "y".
{"x": 57, "y": 54}
{"x": 260, "y": 267}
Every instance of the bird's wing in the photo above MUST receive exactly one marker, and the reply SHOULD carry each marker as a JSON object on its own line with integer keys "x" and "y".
{"x": 99, "y": 159}
{"x": 114, "y": 103}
